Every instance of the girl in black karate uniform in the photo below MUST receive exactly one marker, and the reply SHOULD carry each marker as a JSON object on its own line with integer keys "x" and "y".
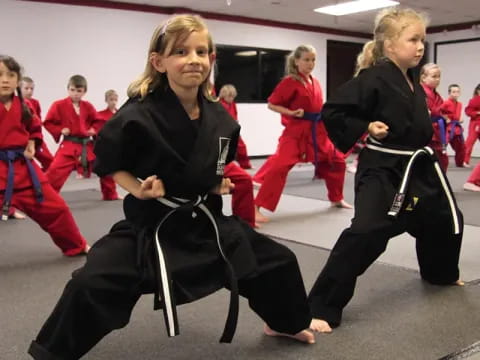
{"x": 399, "y": 186}
{"x": 168, "y": 146}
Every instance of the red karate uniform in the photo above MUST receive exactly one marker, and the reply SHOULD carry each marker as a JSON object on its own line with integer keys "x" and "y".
{"x": 434, "y": 104}
{"x": 296, "y": 144}
{"x": 472, "y": 110}
{"x": 242, "y": 195}
{"x": 42, "y": 154}
{"x": 107, "y": 184}
{"x": 453, "y": 110}
{"x": 62, "y": 115}
{"x": 242, "y": 154}
{"x": 52, "y": 214}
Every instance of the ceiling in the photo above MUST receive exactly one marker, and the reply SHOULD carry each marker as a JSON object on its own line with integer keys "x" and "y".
{"x": 441, "y": 12}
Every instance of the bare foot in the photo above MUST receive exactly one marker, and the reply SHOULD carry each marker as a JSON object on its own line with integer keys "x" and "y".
{"x": 259, "y": 217}
{"x": 86, "y": 249}
{"x": 320, "y": 325}
{"x": 18, "y": 215}
{"x": 342, "y": 204}
{"x": 459, "y": 283}
{"x": 302, "y": 336}
{"x": 79, "y": 176}
{"x": 257, "y": 226}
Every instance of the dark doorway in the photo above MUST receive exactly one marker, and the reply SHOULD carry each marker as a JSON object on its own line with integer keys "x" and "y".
{"x": 341, "y": 60}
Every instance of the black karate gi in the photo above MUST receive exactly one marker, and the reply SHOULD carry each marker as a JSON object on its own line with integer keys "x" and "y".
{"x": 381, "y": 93}
{"x": 155, "y": 136}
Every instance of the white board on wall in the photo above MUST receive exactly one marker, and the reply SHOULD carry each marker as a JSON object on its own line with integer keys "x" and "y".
{"x": 459, "y": 61}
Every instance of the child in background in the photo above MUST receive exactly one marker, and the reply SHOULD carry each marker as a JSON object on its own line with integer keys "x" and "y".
{"x": 76, "y": 120}
{"x": 298, "y": 98}
{"x": 430, "y": 79}
{"x": 107, "y": 184}
{"x": 22, "y": 183}
{"x": 227, "y": 96}
{"x": 451, "y": 109}
{"x": 473, "y": 110}
{"x": 42, "y": 154}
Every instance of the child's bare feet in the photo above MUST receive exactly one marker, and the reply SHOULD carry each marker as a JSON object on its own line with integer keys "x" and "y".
{"x": 459, "y": 283}
{"x": 18, "y": 215}
{"x": 257, "y": 226}
{"x": 320, "y": 325}
{"x": 259, "y": 217}
{"x": 342, "y": 204}
{"x": 302, "y": 336}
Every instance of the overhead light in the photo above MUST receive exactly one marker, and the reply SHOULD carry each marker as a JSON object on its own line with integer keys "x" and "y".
{"x": 352, "y": 7}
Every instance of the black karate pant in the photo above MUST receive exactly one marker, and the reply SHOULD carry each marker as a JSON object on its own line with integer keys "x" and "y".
{"x": 426, "y": 216}
{"x": 101, "y": 295}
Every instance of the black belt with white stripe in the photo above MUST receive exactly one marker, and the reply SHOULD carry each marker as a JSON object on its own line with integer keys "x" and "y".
{"x": 414, "y": 155}
{"x": 164, "y": 288}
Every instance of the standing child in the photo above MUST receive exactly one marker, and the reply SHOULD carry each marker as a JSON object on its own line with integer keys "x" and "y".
{"x": 107, "y": 184}
{"x": 42, "y": 154}
{"x": 227, "y": 96}
{"x": 298, "y": 98}
{"x": 22, "y": 183}
{"x": 399, "y": 186}
{"x": 452, "y": 110}
{"x": 430, "y": 79}
{"x": 176, "y": 242}
{"x": 473, "y": 110}
{"x": 76, "y": 120}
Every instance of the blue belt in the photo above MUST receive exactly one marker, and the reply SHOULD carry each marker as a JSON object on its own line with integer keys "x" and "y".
{"x": 442, "y": 124}
{"x": 315, "y": 118}
{"x": 455, "y": 124}
{"x": 9, "y": 156}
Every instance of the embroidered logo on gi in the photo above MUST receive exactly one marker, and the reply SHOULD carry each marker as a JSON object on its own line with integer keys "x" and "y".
{"x": 412, "y": 204}
{"x": 223, "y": 147}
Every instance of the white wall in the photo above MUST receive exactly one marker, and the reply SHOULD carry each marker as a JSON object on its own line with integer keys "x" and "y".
{"x": 109, "y": 48}
{"x": 460, "y": 64}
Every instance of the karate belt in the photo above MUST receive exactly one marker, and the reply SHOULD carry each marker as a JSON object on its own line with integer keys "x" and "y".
{"x": 83, "y": 141}
{"x": 315, "y": 118}
{"x": 442, "y": 125}
{"x": 414, "y": 155}
{"x": 455, "y": 124}
{"x": 164, "y": 289}
{"x": 9, "y": 156}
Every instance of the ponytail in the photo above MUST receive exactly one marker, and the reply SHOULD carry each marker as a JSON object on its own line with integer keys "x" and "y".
{"x": 371, "y": 53}
{"x": 26, "y": 114}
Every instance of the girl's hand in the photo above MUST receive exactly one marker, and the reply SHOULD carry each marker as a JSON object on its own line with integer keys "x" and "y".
{"x": 91, "y": 132}
{"x": 150, "y": 188}
{"x": 65, "y": 131}
{"x": 29, "y": 152}
{"x": 378, "y": 130}
{"x": 225, "y": 187}
{"x": 297, "y": 113}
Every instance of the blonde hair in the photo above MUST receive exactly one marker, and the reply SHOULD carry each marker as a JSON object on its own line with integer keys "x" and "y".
{"x": 227, "y": 90}
{"x": 175, "y": 30}
{"x": 389, "y": 24}
{"x": 426, "y": 69}
{"x": 290, "y": 66}
{"x": 109, "y": 93}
